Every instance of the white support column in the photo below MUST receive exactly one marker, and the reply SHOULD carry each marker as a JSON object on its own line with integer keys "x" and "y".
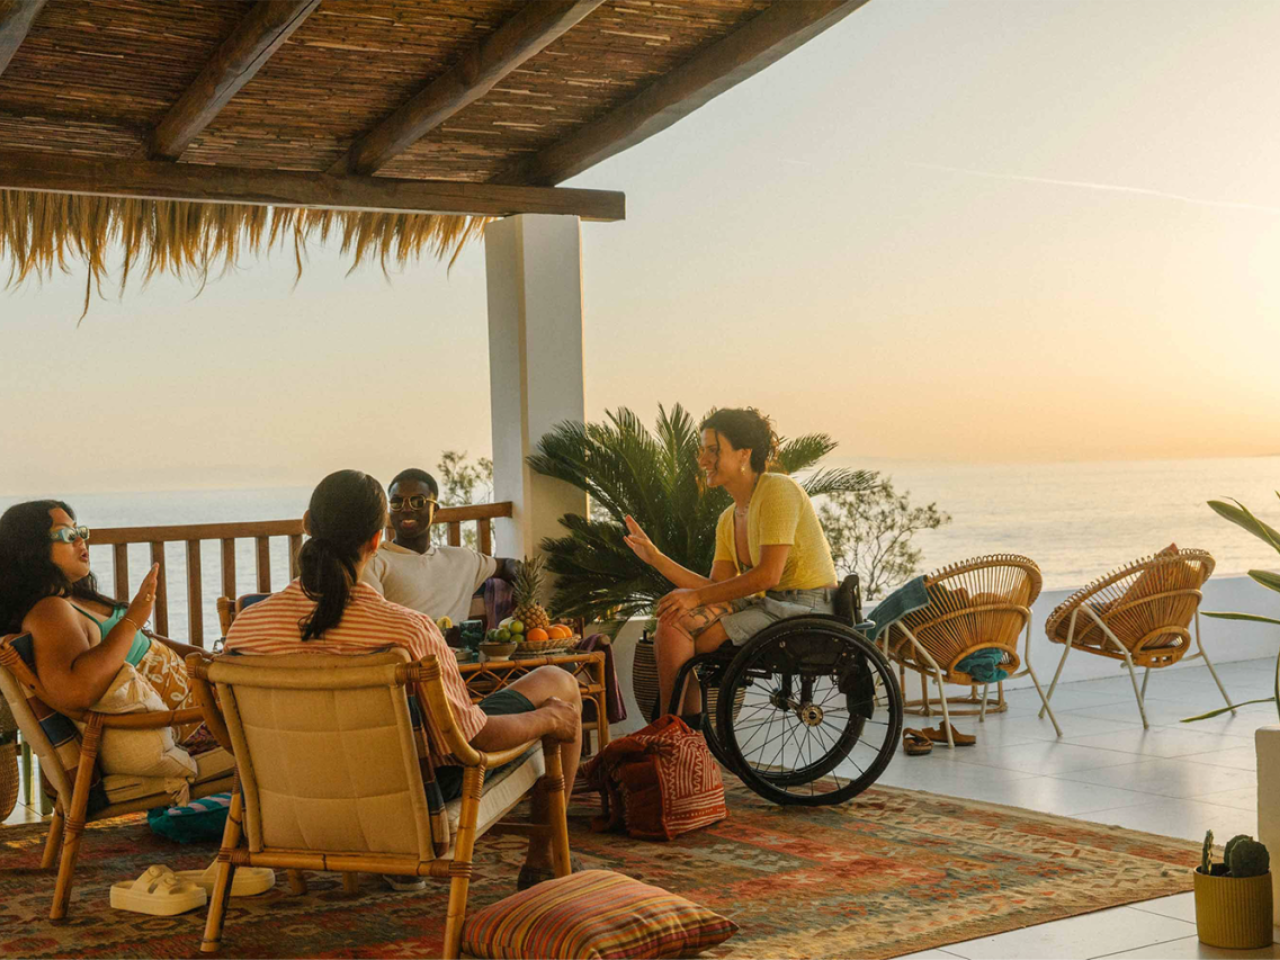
{"x": 533, "y": 265}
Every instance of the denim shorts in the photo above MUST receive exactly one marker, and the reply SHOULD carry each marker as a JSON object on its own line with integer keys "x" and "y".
{"x": 752, "y": 614}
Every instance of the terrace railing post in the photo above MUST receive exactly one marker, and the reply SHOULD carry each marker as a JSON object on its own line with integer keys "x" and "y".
{"x": 195, "y": 595}
{"x": 161, "y": 613}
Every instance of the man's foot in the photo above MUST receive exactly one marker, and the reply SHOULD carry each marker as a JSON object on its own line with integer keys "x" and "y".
{"x": 532, "y": 876}
{"x": 405, "y": 884}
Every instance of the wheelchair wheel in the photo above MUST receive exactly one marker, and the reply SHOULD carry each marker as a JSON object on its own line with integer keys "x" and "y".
{"x": 822, "y": 713}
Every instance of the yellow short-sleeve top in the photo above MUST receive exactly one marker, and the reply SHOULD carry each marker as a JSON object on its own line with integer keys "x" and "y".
{"x": 781, "y": 512}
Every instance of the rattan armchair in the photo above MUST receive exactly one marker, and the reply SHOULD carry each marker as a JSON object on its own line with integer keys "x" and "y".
{"x": 979, "y": 604}
{"x": 1141, "y": 614}
{"x": 329, "y": 775}
{"x": 122, "y": 794}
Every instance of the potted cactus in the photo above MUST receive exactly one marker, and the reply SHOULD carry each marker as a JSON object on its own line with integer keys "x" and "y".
{"x": 1233, "y": 898}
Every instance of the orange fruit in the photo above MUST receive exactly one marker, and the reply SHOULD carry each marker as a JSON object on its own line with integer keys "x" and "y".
{"x": 536, "y": 634}
{"x": 559, "y": 632}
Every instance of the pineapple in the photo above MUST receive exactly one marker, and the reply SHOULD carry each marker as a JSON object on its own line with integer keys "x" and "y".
{"x": 527, "y": 587}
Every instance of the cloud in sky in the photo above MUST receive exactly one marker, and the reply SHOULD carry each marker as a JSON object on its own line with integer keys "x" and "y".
{"x": 1105, "y": 187}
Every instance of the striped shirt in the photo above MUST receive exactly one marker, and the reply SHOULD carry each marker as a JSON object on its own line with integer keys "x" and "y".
{"x": 369, "y": 624}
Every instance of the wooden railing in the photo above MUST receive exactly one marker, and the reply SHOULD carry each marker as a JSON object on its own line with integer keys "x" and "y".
{"x": 261, "y": 532}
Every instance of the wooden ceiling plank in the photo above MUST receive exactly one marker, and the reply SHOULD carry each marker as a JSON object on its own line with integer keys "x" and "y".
{"x": 163, "y": 180}
{"x": 263, "y": 30}
{"x": 761, "y": 41}
{"x": 16, "y": 17}
{"x": 527, "y": 33}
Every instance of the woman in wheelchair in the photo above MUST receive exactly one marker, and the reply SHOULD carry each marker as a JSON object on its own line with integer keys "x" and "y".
{"x": 772, "y": 559}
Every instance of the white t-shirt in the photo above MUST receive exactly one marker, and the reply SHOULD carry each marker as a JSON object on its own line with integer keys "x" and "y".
{"x": 439, "y": 583}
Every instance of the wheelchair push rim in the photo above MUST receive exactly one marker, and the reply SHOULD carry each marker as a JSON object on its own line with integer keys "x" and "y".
{"x": 822, "y": 716}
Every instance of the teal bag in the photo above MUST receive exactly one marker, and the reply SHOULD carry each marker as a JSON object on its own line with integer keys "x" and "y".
{"x": 199, "y": 820}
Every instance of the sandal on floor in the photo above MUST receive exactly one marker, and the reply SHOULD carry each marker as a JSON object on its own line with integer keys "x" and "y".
{"x": 245, "y": 882}
{"x": 159, "y": 893}
{"x": 531, "y": 876}
{"x": 916, "y": 744}
{"x": 938, "y": 734}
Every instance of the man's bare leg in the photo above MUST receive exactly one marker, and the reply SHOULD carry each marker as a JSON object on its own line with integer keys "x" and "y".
{"x": 539, "y": 686}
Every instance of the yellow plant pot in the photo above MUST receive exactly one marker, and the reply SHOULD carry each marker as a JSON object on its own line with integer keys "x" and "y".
{"x": 1234, "y": 913}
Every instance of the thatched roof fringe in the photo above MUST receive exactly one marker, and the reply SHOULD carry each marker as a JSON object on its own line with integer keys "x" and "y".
{"x": 41, "y": 231}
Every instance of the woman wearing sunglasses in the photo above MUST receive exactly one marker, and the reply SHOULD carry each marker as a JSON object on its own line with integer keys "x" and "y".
{"x": 436, "y": 580}
{"x": 81, "y": 636}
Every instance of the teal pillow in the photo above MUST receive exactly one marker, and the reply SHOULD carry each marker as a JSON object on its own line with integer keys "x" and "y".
{"x": 199, "y": 820}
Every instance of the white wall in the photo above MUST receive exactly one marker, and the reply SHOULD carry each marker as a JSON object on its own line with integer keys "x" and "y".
{"x": 1225, "y": 640}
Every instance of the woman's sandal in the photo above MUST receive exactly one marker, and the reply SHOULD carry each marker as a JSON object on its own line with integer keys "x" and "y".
{"x": 159, "y": 893}
{"x": 916, "y": 744}
{"x": 938, "y": 734}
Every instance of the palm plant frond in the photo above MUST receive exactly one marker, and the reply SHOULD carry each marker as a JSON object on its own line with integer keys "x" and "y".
{"x": 803, "y": 452}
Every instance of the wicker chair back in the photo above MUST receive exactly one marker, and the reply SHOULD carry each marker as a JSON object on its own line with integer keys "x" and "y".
{"x": 977, "y": 604}
{"x": 1148, "y": 605}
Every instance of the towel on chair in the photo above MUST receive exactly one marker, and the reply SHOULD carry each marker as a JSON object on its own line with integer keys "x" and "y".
{"x": 909, "y": 597}
{"x": 616, "y": 707}
{"x": 984, "y": 665}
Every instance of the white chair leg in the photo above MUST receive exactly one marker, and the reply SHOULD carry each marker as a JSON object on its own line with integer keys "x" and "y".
{"x": 1146, "y": 675}
{"x": 946, "y": 714}
{"x": 1133, "y": 678}
{"x": 1214, "y": 673}
{"x": 1044, "y": 699}
{"x": 982, "y": 713}
{"x": 1209, "y": 663}
{"x": 1066, "y": 650}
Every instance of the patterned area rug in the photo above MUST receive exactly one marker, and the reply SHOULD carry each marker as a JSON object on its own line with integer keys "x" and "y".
{"x": 894, "y": 871}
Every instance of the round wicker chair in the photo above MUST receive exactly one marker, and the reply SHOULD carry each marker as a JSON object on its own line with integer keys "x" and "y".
{"x": 979, "y": 604}
{"x": 1141, "y": 613}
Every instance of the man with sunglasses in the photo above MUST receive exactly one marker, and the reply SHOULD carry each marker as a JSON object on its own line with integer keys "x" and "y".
{"x": 436, "y": 580}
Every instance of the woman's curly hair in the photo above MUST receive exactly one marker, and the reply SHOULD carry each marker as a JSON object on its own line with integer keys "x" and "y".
{"x": 746, "y": 427}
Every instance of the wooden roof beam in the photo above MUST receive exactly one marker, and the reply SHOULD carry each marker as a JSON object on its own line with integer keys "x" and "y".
{"x": 762, "y": 40}
{"x": 527, "y": 33}
{"x": 259, "y": 35}
{"x": 16, "y": 17}
{"x": 163, "y": 180}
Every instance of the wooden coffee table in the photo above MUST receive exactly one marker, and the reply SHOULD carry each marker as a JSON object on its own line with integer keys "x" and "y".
{"x": 482, "y": 679}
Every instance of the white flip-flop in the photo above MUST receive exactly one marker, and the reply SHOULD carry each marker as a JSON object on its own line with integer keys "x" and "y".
{"x": 245, "y": 882}
{"x": 158, "y": 892}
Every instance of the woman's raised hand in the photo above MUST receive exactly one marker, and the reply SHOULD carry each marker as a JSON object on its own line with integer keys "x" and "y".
{"x": 145, "y": 599}
{"x": 640, "y": 543}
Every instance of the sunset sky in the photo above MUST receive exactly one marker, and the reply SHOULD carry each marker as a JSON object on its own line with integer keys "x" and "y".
{"x": 965, "y": 230}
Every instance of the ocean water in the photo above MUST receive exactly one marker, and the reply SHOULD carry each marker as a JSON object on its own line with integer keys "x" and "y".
{"x": 1076, "y": 520}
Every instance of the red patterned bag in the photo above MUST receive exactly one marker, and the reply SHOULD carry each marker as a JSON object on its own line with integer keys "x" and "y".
{"x": 659, "y": 782}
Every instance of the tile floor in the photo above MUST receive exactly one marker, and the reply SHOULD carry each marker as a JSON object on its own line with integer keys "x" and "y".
{"x": 1173, "y": 779}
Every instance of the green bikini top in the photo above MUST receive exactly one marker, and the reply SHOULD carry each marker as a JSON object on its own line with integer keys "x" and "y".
{"x": 141, "y": 642}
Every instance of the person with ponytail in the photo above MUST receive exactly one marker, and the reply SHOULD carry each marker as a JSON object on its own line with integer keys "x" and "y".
{"x": 328, "y": 609}
{"x": 81, "y": 638}
{"x": 772, "y": 559}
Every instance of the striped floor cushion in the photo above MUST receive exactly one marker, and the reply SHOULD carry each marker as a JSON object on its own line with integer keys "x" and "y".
{"x": 593, "y": 914}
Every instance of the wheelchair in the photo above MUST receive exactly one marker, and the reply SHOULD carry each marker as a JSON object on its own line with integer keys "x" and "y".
{"x": 807, "y": 712}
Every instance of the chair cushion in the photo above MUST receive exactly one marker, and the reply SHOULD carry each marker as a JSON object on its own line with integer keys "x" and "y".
{"x": 144, "y": 752}
{"x": 211, "y": 765}
{"x": 503, "y": 789}
{"x": 593, "y": 914}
